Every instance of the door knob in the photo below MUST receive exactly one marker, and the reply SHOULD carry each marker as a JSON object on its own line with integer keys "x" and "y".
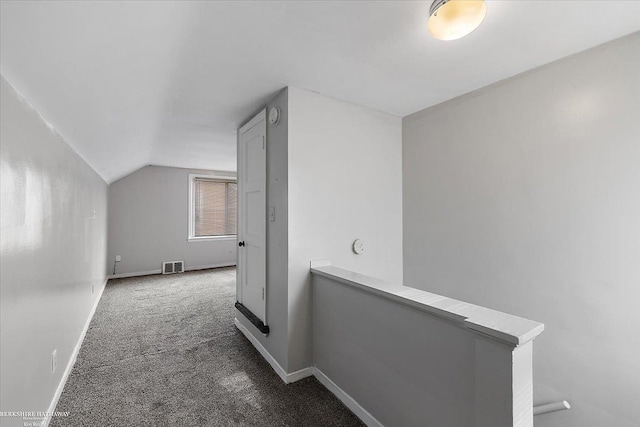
{"x": 241, "y": 243}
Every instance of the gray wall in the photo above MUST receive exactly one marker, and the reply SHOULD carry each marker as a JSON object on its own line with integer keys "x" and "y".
{"x": 407, "y": 367}
{"x": 333, "y": 175}
{"x": 52, "y": 258}
{"x": 277, "y": 243}
{"x": 345, "y": 179}
{"x": 525, "y": 197}
{"x": 149, "y": 223}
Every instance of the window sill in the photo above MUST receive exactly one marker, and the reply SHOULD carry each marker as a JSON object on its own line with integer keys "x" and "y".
{"x": 211, "y": 239}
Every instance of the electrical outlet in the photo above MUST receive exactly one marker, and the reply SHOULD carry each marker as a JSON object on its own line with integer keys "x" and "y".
{"x": 54, "y": 361}
{"x": 118, "y": 258}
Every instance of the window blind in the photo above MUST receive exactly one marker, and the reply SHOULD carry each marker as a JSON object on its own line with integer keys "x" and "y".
{"x": 215, "y": 207}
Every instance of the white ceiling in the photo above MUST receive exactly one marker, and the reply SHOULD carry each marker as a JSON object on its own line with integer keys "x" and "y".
{"x": 129, "y": 84}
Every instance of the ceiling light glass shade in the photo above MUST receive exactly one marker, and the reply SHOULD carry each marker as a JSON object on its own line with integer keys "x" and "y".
{"x": 454, "y": 19}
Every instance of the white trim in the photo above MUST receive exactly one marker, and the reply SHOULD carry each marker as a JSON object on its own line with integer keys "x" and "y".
{"x": 263, "y": 351}
{"x": 315, "y": 263}
{"x": 208, "y": 266}
{"x": 135, "y": 274}
{"x": 212, "y": 238}
{"x": 261, "y": 116}
{"x": 284, "y": 376}
{"x": 287, "y": 378}
{"x": 506, "y": 329}
{"x": 256, "y": 124}
{"x": 299, "y": 374}
{"x": 159, "y": 271}
{"x": 213, "y": 177}
{"x": 72, "y": 359}
{"x": 348, "y": 401}
{"x": 191, "y": 232}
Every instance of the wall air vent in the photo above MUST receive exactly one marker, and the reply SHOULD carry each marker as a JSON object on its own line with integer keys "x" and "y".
{"x": 170, "y": 267}
{"x": 178, "y": 267}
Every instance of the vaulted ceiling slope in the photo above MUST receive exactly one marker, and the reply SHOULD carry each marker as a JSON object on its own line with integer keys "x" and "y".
{"x": 167, "y": 83}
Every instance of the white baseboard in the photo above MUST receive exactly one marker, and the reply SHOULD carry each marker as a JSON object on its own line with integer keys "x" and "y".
{"x": 72, "y": 359}
{"x": 300, "y": 374}
{"x": 263, "y": 351}
{"x": 287, "y": 378}
{"x": 345, "y": 398}
{"x": 208, "y": 266}
{"x": 159, "y": 271}
{"x": 348, "y": 401}
{"x": 284, "y": 376}
{"x": 136, "y": 274}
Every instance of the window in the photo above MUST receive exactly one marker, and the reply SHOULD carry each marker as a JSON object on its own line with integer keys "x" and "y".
{"x": 212, "y": 207}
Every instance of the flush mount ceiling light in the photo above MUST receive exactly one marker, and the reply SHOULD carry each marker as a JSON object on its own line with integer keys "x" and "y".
{"x": 454, "y": 19}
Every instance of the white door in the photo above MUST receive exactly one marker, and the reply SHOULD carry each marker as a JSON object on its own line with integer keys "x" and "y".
{"x": 252, "y": 226}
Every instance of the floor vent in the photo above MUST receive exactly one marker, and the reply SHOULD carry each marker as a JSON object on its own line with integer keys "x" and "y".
{"x": 171, "y": 267}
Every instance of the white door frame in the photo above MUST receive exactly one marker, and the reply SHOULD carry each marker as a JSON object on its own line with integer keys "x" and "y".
{"x": 258, "y": 120}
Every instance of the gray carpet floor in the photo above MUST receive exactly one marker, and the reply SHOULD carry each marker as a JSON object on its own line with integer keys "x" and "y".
{"x": 163, "y": 351}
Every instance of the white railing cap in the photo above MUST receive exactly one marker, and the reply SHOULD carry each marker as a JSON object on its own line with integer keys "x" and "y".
{"x": 500, "y": 326}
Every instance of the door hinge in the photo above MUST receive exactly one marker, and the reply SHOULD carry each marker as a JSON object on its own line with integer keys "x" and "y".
{"x": 262, "y": 294}
{"x": 263, "y": 142}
